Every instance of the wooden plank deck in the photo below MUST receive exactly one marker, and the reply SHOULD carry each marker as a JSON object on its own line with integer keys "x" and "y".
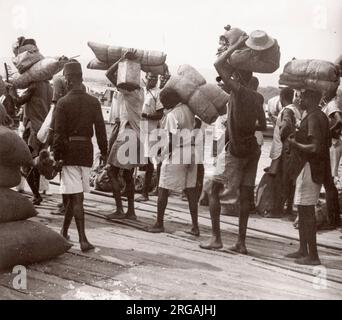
{"x": 129, "y": 263}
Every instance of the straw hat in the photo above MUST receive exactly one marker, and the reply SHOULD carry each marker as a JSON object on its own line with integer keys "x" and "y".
{"x": 259, "y": 40}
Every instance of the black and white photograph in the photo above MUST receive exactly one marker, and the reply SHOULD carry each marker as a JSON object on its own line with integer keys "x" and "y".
{"x": 184, "y": 151}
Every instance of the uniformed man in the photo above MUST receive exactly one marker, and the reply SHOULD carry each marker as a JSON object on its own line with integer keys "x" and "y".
{"x": 76, "y": 114}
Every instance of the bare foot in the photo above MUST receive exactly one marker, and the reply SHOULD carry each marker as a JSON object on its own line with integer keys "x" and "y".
{"x": 65, "y": 236}
{"x": 307, "y": 261}
{"x": 115, "y": 215}
{"x": 212, "y": 244}
{"x": 193, "y": 231}
{"x": 86, "y": 246}
{"x": 239, "y": 248}
{"x": 296, "y": 255}
{"x": 142, "y": 199}
{"x": 156, "y": 229}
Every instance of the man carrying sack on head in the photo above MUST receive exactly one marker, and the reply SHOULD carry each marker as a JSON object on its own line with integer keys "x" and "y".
{"x": 76, "y": 114}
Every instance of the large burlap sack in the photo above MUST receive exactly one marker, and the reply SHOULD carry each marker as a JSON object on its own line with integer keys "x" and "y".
{"x": 111, "y": 54}
{"x": 96, "y": 64}
{"x": 14, "y": 206}
{"x": 27, "y": 58}
{"x": 312, "y": 69}
{"x": 183, "y": 86}
{"x": 307, "y": 83}
{"x": 27, "y": 242}
{"x": 43, "y": 70}
{"x": 218, "y": 97}
{"x": 157, "y": 70}
{"x": 201, "y": 106}
{"x": 233, "y": 35}
{"x": 10, "y": 176}
{"x": 191, "y": 74}
{"x": 266, "y": 61}
{"x": 13, "y": 150}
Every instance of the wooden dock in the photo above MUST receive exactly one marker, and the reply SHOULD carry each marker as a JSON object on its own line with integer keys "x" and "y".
{"x": 130, "y": 263}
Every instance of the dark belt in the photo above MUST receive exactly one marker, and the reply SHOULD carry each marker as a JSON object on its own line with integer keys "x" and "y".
{"x": 79, "y": 138}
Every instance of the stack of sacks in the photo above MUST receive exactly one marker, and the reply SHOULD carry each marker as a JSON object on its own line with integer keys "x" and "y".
{"x": 318, "y": 75}
{"x": 21, "y": 242}
{"x": 207, "y": 101}
{"x": 106, "y": 56}
{"x": 262, "y": 55}
{"x": 28, "y": 55}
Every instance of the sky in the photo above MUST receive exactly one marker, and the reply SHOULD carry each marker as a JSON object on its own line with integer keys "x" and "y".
{"x": 187, "y": 30}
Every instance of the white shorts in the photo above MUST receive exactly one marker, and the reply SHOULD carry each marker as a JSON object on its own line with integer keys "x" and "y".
{"x": 75, "y": 179}
{"x": 307, "y": 191}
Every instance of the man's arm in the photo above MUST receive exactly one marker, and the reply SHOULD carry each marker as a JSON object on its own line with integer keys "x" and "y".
{"x": 100, "y": 132}
{"x": 221, "y": 66}
{"x": 158, "y": 115}
{"x": 287, "y": 126}
{"x": 262, "y": 124}
{"x": 25, "y": 97}
{"x": 59, "y": 134}
{"x": 311, "y": 148}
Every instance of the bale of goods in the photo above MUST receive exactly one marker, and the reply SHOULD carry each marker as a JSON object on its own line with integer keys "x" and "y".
{"x": 156, "y": 70}
{"x": 192, "y": 74}
{"x": 43, "y": 70}
{"x": 13, "y": 150}
{"x": 9, "y": 176}
{"x": 316, "y": 75}
{"x": 14, "y": 206}
{"x": 312, "y": 69}
{"x": 129, "y": 75}
{"x": 32, "y": 243}
{"x": 111, "y": 54}
{"x": 207, "y": 101}
{"x": 266, "y": 61}
{"x": 183, "y": 86}
{"x": 96, "y": 64}
{"x": 28, "y": 56}
{"x": 202, "y": 107}
{"x": 218, "y": 97}
{"x": 233, "y": 35}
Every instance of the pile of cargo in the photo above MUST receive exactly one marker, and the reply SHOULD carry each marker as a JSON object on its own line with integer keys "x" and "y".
{"x": 32, "y": 66}
{"x": 258, "y": 52}
{"x": 106, "y": 56}
{"x": 207, "y": 101}
{"x": 318, "y": 75}
{"x": 22, "y": 242}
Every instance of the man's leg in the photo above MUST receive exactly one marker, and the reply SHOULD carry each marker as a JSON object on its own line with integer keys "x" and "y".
{"x": 192, "y": 195}
{"x": 240, "y": 246}
{"x": 248, "y": 169}
{"x": 163, "y": 197}
{"x": 215, "y": 210}
{"x": 310, "y": 229}
{"x": 78, "y": 211}
{"x": 68, "y": 209}
{"x": 303, "y": 244}
{"x": 128, "y": 176}
{"x": 33, "y": 181}
{"x": 113, "y": 173}
{"x": 147, "y": 182}
{"x": 333, "y": 206}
